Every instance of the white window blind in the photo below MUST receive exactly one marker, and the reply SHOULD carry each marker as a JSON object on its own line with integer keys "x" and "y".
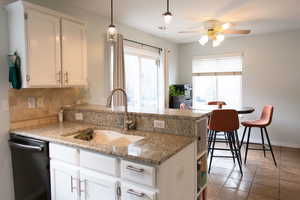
{"x": 217, "y": 78}
{"x": 226, "y": 64}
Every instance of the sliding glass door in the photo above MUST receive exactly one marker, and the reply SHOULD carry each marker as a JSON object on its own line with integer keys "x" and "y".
{"x": 142, "y": 79}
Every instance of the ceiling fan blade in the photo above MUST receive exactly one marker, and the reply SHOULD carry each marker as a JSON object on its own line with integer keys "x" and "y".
{"x": 196, "y": 31}
{"x": 231, "y": 31}
{"x": 227, "y": 25}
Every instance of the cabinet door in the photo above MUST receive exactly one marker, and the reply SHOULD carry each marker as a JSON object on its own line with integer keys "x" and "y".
{"x": 43, "y": 49}
{"x": 64, "y": 181}
{"x": 94, "y": 185}
{"x": 74, "y": 53}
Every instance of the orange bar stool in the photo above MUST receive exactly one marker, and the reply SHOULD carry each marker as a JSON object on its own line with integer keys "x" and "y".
{"x": 264, "y": 121}
{"x": 220, "y": 104}
{"x": 227, "y": 121}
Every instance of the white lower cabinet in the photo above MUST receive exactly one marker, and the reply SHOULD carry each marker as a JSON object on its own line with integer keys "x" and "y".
{"x": 78, "y": 174}
{"x": 95, "y": 186}
{"x": 64, "y": 181}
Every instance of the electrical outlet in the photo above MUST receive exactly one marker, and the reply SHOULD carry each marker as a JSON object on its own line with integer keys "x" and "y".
{"x": 78, "y": 116}
{"x": 31, "y": 102}
{"x": 159, "y": 124}
{"x": 40, "y": 102}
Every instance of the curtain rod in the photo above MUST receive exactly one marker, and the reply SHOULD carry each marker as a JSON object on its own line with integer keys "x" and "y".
{"x": 143, "y": 44}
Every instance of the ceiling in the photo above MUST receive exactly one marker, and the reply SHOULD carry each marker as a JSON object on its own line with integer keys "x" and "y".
{"x": 261, "y": 16}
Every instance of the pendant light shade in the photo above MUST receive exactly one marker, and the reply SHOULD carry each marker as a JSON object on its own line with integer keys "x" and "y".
{"x": 168, "y": 15}
{"x": 112, "y": 30}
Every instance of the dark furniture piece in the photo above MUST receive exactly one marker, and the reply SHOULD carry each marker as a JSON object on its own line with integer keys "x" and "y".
{"x": 262, "y": 123}
{"x": 227, "y": 121}
{"x": 30, "y": 161}
{"x": 186, "y": 99}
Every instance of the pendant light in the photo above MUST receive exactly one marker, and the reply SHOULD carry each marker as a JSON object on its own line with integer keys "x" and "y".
{"x": 112, "y": 31}
{"x": 168, "y": 15}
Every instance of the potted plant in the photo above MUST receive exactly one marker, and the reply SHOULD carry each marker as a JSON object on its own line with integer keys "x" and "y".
{"x": 176, "y": 97}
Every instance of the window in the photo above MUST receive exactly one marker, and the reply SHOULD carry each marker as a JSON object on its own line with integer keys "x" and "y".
{"x": 142, "y": 74}
{"x": 217, "y": 79}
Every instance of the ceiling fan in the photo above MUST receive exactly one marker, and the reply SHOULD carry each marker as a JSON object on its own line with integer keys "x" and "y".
{"x": 215, "y": 30}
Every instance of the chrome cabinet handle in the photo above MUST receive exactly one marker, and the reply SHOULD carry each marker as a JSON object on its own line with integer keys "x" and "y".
{"x": 139, "y": 170}
{"x": 72, "y": 186}
{"x": 58, "y": 76}
{"x": 138, "y": 194}
{"x": 66, "y": 74}
{"x": 80, "y": 186}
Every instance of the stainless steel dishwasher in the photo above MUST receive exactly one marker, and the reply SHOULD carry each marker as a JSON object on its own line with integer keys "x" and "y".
{"x": 30, "y": 160}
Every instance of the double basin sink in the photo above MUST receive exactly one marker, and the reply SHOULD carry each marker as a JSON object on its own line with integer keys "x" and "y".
{"x": 106, "y": 137}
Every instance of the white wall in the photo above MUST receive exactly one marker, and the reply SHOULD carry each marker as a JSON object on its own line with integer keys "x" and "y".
{"x": 98, "y": 69}
{"x": 271, "y": 75}
{"x": 6, "y": 191}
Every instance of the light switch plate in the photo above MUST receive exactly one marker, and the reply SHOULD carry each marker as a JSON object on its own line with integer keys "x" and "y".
{"x": 31, "y": 102}
{"x": 78, "y": 116}
{"x": 159, "y": 124}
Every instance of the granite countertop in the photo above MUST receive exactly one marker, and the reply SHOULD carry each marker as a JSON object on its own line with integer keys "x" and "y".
{"x": 154, "y": 149}
{"x": 174, "y": 113}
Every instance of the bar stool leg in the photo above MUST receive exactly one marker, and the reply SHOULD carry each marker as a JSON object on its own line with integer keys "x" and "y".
{"x": 268, "y": 139}
{"x": 263, "y": 141}
{"x": 237, "y": 152}
{"x": 231, "y": 147}
{"x": 242, "y": 141}
{"x": 238, "y": 145}
{"x": 210, "y": 138}
{"x": 212, "y": 150}
{"x": 247, "y": 146}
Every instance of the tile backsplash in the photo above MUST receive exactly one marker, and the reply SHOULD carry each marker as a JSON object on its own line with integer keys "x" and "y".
{"x": 41, "y": 105}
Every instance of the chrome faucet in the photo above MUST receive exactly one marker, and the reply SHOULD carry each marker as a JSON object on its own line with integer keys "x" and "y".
{"x": 128, "y": 124}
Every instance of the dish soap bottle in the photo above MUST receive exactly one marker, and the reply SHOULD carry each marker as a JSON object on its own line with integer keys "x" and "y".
{"x": 61, "y": 115}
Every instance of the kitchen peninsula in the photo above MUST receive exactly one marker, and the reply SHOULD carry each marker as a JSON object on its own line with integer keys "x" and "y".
{"x": 157, "y": 160}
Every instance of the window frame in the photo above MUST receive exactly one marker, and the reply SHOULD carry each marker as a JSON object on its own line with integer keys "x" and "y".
{"x": 216, "y": 74}
{"x": 133, "y": 51}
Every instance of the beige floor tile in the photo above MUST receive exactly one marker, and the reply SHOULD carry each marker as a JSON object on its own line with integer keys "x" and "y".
{"x": 241, "y": 185}
{"x": 261, "y": 180}
{"x": 265, "y": 191}
{"x": 232, "y": 194}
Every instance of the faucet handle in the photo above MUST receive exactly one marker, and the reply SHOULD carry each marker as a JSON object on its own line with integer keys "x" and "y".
{"x": 131, "y": 124}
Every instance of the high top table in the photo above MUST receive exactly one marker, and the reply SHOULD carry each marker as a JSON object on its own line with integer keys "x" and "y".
{"x": 239, "y": 109}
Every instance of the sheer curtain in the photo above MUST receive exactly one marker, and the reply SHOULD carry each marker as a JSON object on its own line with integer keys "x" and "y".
{"x": 118, "y": 70}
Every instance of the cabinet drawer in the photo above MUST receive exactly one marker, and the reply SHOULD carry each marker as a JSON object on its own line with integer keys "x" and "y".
{"x": 98, "y": 162}
{"x": 64, "y": 153}
{"x": 138, "y": 173}
{"x": 130, "y": 192}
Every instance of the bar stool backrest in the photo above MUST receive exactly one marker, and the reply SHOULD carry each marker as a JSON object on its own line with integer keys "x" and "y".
{"x": 267, "y": 114}
{"x": 224, "y": 120}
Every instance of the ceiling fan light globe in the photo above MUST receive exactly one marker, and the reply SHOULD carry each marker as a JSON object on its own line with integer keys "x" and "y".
{"x": 216, "y": 43}
{"x": 203, "y": 40}
{"x": 220, "y": 38}
{"x": 226, "y": 26}
{"x": 168, "y": 17}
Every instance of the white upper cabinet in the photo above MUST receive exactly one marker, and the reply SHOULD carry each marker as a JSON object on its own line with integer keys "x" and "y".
{"x": 52, "y": 46}
{"x": 74, "y": 53}
{"x": 43, "y": 50}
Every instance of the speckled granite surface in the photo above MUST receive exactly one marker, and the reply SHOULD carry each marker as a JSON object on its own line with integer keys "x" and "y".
{"x": 173, "y": 113}
{"x": 154, "y": 149}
